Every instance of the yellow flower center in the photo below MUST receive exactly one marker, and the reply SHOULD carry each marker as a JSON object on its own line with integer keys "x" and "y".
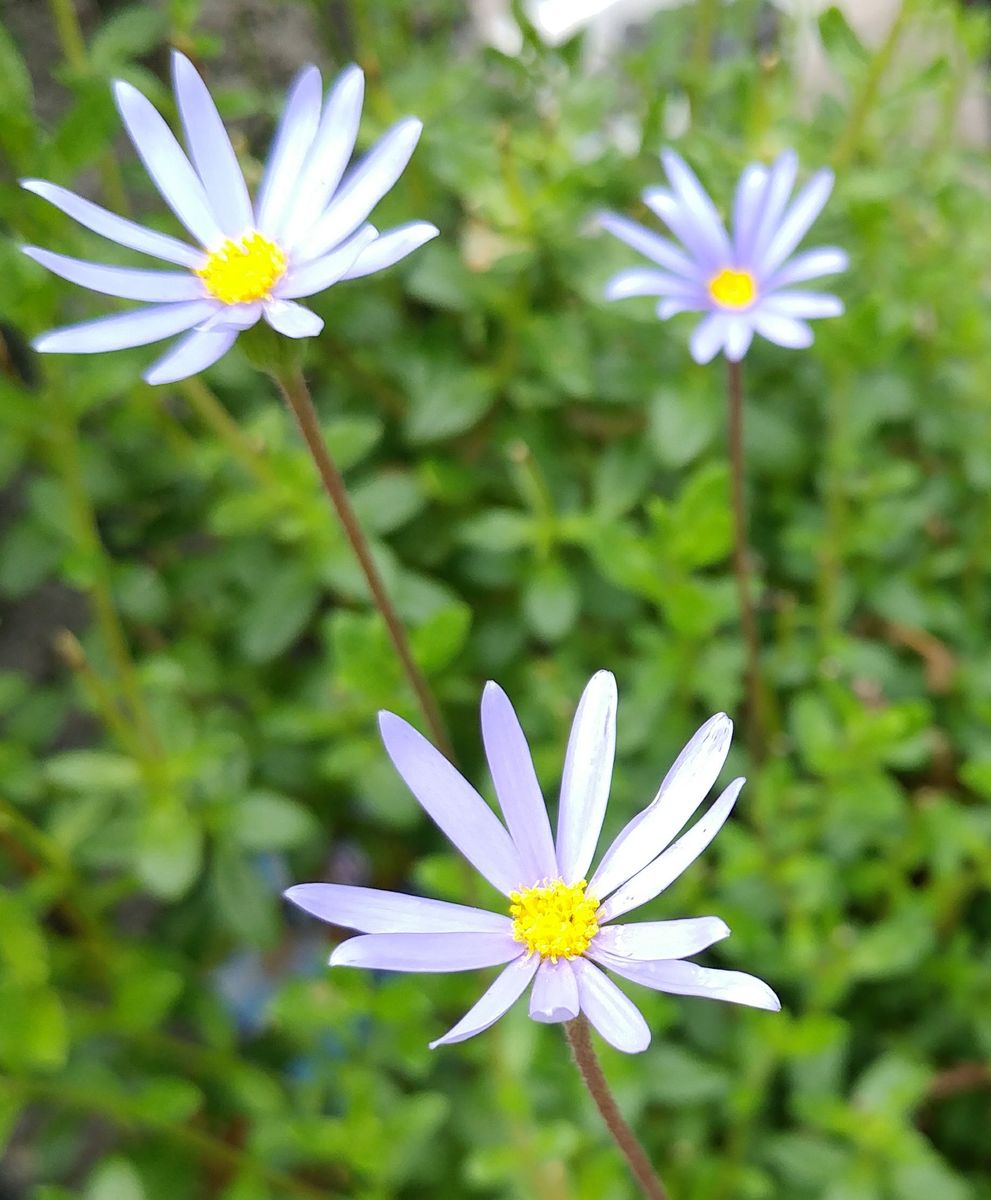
{"x": 244, "y": 270}
{"x": 733, "y": 289}
{"x": 555, "y": 920}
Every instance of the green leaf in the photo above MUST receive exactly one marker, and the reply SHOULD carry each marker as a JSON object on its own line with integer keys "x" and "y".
{"x": 34, "y": 1033}
{"x": 92, "y": 771}
{"x": 269, "y": 821}
{"x": 129, "y": 34}
{"x": 499, "y": 530}
{"x": 440, "y": 639}
{"x": 278, "y": 613}
{"x": 169, "y": 850}
{"x": 551, "y": 601}
{"x": 246, "y": 904}
{"x": 115, "y": 1179}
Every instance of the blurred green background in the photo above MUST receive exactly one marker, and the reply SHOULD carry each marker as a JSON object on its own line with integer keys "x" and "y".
{"x": 190, "y": 670}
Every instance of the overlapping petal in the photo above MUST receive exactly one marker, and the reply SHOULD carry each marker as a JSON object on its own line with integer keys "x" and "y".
{"x": 191, "y": 354}
{"x": 162, "y": 287}
{"x": 587, "y": 777}
{"x": 427, "y": 952}
{"x": 494, "y": 1003}
{"x": 610, "y": 1011}
{"x": 126, "y": 329}
{"x": 370, "y": 910}
{"x": 555, "y": 992}
{"x": 689, "y": 979}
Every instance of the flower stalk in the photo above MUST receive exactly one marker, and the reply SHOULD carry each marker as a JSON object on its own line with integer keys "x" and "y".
{"x": 590, "y": 1069}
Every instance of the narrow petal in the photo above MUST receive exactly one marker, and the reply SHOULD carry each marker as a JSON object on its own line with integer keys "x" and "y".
{"x": 613, "y": 1014}
{"x": 430, "y": 952}
{"x": 682, "y": 790}
{"x": 114, "y": 228}
{"x": 390, "y": 247}
{"x": 689, "y": 979}
{"x": 825, "y": 260}
{"x": 671, "y": 307}
{"x": 233, "y": 316}
{"x": 739, "y": 335}
{"x": 293, "y": 138}
{"x": 370, "y": 910}
{"x": 136, "y": 328}
{"x": 665, "y": 253}
{"x": 698, "y": 202}
{"x": 363, "y": 187}
{"x": 322, "y": 273}
{"x": 292, "y": 319}
{"x": 194, "y": 353}
{"x": 708, "y": 337}
{"x": 797, "y": 221}
{"x": 453, "y": 804}
{"x": 661, "y": 939}
{"x": 587, "y": 776}
{"x": 211, "y": 150}
{"x": 515, "y": 780}
{"x": 642, "y": 281}
{"x": 169, "y": 168}
{"x": 494, "y": 1003}
{"x": 683, "y": 224}
{"x": 555, "y": 993}
{"x": 803, "y": 304}
{"x": 657, "y": 875}
{"x": 159, "y": 286}
{"x": 747, "y": 207}
{"x": 330, "y": 153}
{"x": 780, "y": 182}
{"x": 783, "y": 331}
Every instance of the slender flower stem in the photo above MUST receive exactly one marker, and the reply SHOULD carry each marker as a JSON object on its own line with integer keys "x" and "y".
{"x": 588, "y": 1065}
{"x": 297, "y": 397}
{"x": 741, "y": 565}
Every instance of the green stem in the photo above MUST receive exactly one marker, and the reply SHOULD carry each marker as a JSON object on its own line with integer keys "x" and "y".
{"x": 217, "y": 419}
{"x": 70, "y": 35}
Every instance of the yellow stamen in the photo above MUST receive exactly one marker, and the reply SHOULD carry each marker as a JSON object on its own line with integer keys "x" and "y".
{"x": 733, "y": 289}
{"x": 555, "y": 919}
{"x": 244, "y": 270}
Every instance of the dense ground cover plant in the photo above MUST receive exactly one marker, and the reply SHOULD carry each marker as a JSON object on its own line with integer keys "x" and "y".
{"x": 191, "y": 670}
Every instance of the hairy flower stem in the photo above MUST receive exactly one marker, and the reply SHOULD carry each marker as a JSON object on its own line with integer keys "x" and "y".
{"x": 587, "y": 1062}
{"x": 741, "y": 566}
{"x": 297, "y": 396}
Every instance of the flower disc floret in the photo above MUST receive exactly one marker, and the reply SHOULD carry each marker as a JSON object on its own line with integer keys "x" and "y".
{"x": 733, "y": 289}
{"x": 244, "y": 270}
{"x": 555, "y": 920}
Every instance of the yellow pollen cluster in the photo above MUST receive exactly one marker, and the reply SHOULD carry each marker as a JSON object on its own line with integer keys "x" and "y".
{"x": 244, "y": 270}
{"x": 733, "y": 289}
{"x": 555, "y": 920}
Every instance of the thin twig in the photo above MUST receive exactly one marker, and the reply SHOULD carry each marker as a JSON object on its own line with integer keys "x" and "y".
{"x": 587, "y": 1062}
{"x": 297, "y": 397}
{"x": 741, "y": 565}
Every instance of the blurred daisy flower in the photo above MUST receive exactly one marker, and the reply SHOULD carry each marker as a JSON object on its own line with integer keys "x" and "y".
{"x": 745, "y": 284}
{"x": 560, "y": 925}
{"x": 306, "y": 230}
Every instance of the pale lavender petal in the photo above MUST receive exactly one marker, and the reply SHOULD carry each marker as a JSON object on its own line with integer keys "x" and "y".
{"x": 825, "y": 260}
{"x": 803, "y": 304}
{"x": 233, "y": 316}
{"x": 660, "y": 939}
{"x": 671, "y": 307}
{"x": 708, "y": 337}
{"x": 494, "y": 1003}
{"x": 747, "y": 207}
{"x": 292, "y": 320}
{"x": 688, "y": 979}
{"x": 642, "y": 281}
{"x": 136, "y": 328}
{"x": 682, "y": 790}
{"x": 797, "y": 221}
{"x": 587, "y": 776}
{"x": 194, "y": 353}
{"x": 665, "y": 253}
{"x": 520, "y": 798}
{"x": 697, "y": 201}
{"x": 125, "y": 282}
{"x": 652, "y": 879}
{"x": 290, "y": 146}
{"x": 390, "y": 247}
{"x": 555, "y": 993}
{"x": 612, "y": 1013}
{"x": 739, "y": 335}
{"x": 168, "y": 167}
{"x": 116, "y": 229}
{"x": 426, "y": 951}
{"x": 322, "y": 273}
{"x": 453, "y": 804}
{"x": 211, "y": 150}
{"x": 370, "y": 910}
{"x": 363, "y": 187}
{"x": 683, "y": 224}
{"x": 329, "y": 155}
{"x": 783, "y": 331}
{"x": 781, "y": 180}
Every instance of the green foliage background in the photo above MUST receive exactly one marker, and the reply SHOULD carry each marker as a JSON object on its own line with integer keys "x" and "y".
{"x": 545, "y": 479}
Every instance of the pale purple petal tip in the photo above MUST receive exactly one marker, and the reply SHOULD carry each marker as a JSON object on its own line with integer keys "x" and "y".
{"x": 612, "y": 1013}
{"x": 494, "y": 1003}
{"x": 427, "y": 952}
{"x": 555, "y": 993}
